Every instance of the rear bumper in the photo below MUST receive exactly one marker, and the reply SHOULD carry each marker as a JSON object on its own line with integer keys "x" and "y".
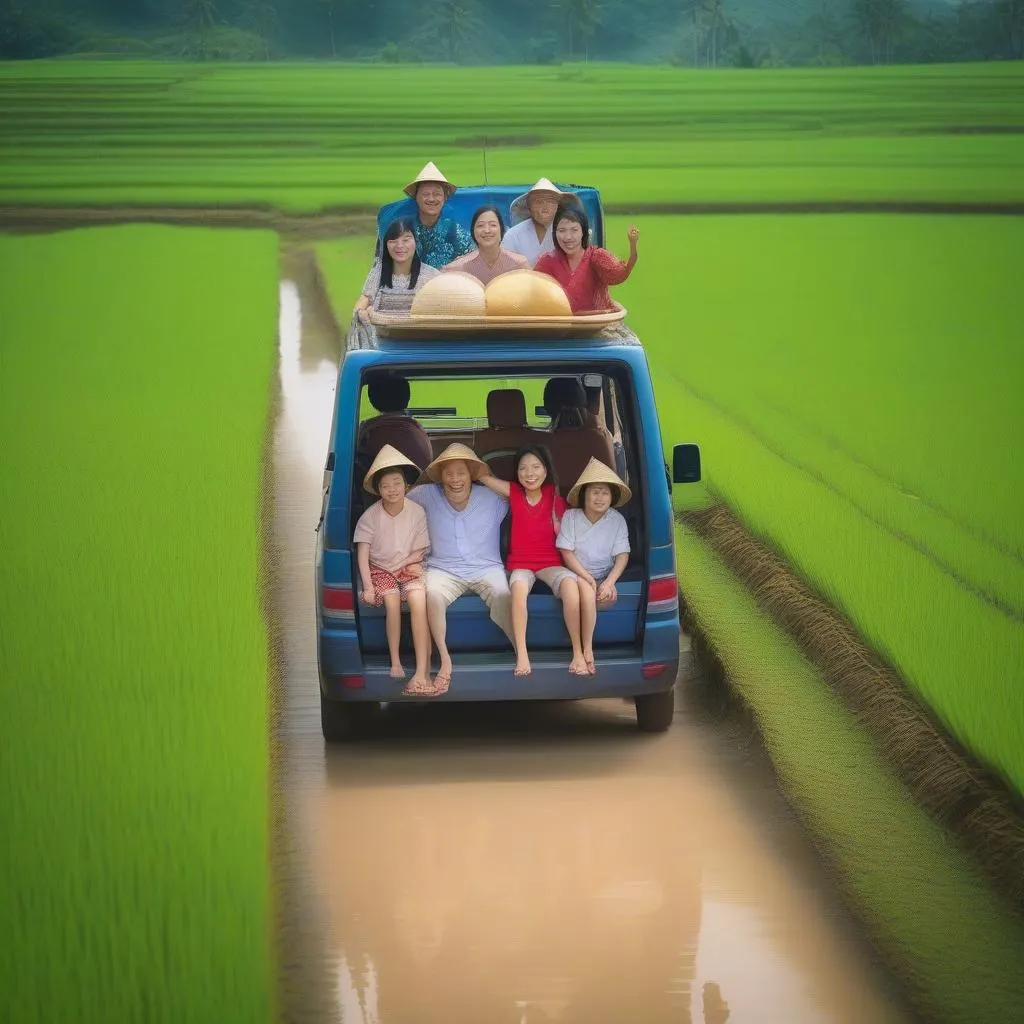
{"x": 488, "y": 676}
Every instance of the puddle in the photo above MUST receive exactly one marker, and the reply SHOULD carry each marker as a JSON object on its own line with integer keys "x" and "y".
{"x": 531, "y": 863}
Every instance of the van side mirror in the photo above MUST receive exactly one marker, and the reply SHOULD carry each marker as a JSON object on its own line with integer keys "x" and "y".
{"x": 686, "y": 463}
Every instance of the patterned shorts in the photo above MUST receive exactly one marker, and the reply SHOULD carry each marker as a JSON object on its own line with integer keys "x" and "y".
{"x": 385, "y": 582}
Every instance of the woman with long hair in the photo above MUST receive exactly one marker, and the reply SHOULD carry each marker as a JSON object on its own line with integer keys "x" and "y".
{"x": 583, "y": 270}
{"x": 392, "y": 283}
{"x": 490, "y": 259}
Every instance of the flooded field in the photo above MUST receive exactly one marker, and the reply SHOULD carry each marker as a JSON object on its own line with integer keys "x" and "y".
{"x": 529, "y": 863}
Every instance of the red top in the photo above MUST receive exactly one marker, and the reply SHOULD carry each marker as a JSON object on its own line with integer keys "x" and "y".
{"x": 532, "y": 543}
{"x": 587, "y": 285}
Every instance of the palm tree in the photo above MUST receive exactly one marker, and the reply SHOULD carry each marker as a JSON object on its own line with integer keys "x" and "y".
{"x": 581, "y": 19}
{"x": 825, "y": 32}
{"x": 199, "y": 17}
{"x": 1010, "y": 14}
{"x": 330, "y": 7}
{"x": 717, "y": 21}
{"x": 455, "y": 23}
{"x": 261, "y": 17}
{"x": 696, "y": 9}
{"x": 880, "y": 20}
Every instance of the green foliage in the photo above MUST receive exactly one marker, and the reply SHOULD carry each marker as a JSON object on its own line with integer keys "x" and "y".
{"x": 133, "y": 655}
{"x": 924, "y": 903}
{"x": 28, "y": 35}
{"x": 305, "y": 138}
{"x": 704, "y": 33}
{"x": 852, "y": 382}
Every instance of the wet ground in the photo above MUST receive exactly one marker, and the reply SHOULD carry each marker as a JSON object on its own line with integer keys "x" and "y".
{"x": 527, "y": 863}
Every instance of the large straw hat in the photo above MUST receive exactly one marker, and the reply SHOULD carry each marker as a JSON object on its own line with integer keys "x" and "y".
{"x": 453, "y": 293}
{"x": 597, "y": 472}
{"x": 390, "y": 458}
{"x": 453, "y": 453}
{"x": 430, "y": 173}
{"x": 526, "y": 293}
{"x": 520, "y": 208}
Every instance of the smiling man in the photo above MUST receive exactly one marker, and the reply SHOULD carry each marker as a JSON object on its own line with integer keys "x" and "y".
{"x": 439, "y": 240}
{"x": 464, "y": 522}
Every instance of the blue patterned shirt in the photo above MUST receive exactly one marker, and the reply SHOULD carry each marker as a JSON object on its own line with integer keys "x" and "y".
{"x": 444, "y": 242}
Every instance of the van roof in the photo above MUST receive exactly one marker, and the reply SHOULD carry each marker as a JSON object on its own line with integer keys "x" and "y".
{"x": 469, "y": 198}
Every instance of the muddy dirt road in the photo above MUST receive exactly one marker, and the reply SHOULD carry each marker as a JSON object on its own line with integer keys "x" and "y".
{"x": 524, "y": 863}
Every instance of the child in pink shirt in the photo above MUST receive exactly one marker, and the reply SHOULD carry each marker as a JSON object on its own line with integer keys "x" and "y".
{"x": 391, "y": 540}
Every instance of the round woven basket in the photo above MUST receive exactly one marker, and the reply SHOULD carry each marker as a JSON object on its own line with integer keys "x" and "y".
{"x": 452, "y": 293}
{"x": 526, "y": 293}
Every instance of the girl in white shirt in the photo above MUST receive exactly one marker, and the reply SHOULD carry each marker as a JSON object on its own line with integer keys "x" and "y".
{"x": 594, "y": 542}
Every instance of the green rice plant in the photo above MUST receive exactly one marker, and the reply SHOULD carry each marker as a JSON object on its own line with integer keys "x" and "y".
{"x": 304, "y": 138}
{"x": 853, "y": 383}
{"x": 136, "y": 365}
{"x": 959, "y": 951}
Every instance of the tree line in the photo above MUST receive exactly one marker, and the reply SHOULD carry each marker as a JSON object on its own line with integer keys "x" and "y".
{"x": 698, "y": 33}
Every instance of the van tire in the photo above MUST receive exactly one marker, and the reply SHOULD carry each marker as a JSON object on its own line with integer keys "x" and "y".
{"x": 654, "y": 711}
{"x": 343, "y": 721}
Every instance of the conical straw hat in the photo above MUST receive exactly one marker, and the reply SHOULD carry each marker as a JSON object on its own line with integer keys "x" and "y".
{"x": 597, "y": 472}
{"x": 391, "y": 458}
{"x": 452, "y": 293}
{"x": 430, "y": 173}
{"x": 526, "y": 293}
{"x": 453, "y": 453}
{"x": 520, "y": 208}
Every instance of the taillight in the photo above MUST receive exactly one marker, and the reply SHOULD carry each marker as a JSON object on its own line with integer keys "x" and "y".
{"x": 663, "y": 589}
{"x": 337, "y": 600}
{"x": 653, "y": 669}
{"x": 353, "y": 682}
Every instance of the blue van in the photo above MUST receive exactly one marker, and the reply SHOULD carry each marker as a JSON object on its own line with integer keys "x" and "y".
{"x": 488, "y": 392}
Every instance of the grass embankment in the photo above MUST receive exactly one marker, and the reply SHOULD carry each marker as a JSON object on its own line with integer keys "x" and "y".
{"x": 136, "y": 364}
{"x": 854, "y": 384}
{"x": 306, "y": 138}
{"x": 937, "y": 922}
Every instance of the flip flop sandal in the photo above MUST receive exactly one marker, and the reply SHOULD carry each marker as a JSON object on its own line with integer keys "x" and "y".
{"x": 441, "y": 684}
{"x": 419, "y": 690}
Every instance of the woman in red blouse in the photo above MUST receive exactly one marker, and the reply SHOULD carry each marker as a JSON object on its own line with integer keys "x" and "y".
{"x": 583, "y": 270}
{"x": 536, "y": 510}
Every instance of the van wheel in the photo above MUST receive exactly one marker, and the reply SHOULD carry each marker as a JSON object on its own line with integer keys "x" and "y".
{"x": 654, "y": 711}
{"x": 342, "y": 721}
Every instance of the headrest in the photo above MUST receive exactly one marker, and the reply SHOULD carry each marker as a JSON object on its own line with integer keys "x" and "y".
{"x": 563, "y": 392}
{"x": 506, "y": 408}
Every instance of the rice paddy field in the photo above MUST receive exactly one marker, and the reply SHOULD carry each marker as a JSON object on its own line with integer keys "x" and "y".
{"x": 136, "y": 366}
{"x": 305, "y": 138}
{"x": 853, "y": 381}
{"x": 956, "y": 946}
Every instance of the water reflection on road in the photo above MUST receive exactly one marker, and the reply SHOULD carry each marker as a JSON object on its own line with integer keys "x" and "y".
{"x": 527, "y": 863}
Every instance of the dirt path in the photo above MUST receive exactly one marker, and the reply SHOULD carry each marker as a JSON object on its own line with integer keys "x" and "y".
{"x": 529, "y": 863}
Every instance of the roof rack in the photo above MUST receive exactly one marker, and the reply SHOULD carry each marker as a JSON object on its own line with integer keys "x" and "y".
{"x": 366, "y": 336}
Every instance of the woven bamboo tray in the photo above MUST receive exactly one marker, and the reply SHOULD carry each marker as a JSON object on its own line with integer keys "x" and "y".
{"x": 429, "y": 326}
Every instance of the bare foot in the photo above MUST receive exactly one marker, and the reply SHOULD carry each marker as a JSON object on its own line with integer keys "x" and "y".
{"x": 578, "y": 666}
{"x": 588, "y": 657}
{"x": 523, "y": 666}
{"x": 397, "y": 672}
{"x": 419, "y": 686}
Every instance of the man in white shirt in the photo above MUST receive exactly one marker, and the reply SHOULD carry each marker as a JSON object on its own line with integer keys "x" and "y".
{"x": 531, "y": 216}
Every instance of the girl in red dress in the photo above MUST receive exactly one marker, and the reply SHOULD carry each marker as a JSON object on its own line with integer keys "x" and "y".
{"x": 536, "y": 510}
{"x": 583, "y": 270}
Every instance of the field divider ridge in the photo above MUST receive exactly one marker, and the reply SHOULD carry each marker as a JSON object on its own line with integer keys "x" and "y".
{"x": 972, "y": 802}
